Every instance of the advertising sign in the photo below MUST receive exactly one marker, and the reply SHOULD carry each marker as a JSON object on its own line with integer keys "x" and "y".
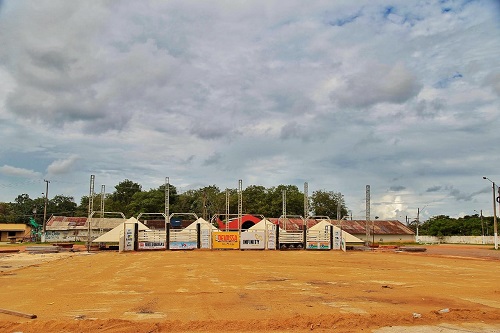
{"x": 271, "y": 238}
{"x": 225, "y": 240}
{"x": 129, "y": 236}
{"x": 151, "y": 245}
{"x": 253, "y": 240}
{"x": 182, "y": 245}
{"x": 337, "y": 239}
{"x": 318, "y": 245}
{"x": 205, "y": 238}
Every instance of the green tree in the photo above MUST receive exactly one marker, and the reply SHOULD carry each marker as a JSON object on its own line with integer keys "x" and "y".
{"x": 61, "y": 205}
{"x": 123, "y": 195}
{"x": 255, "y": 199}
{"x": 152, "y": 201}
{"x": 23, "y": 208}
{"x": 325, "y": 203}
{"x": 274, "y": 201}
{"x": 6, "y": 212}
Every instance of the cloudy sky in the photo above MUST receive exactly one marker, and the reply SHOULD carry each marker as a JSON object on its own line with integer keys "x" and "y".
{"x": 403, "y": 96}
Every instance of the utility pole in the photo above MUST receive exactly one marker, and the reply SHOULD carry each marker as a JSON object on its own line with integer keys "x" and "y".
{"x": 44, "y": 224}
{"x": 495, "y": 226}
{"x": 482, "y": 225}
{"x": 418, "y": 222}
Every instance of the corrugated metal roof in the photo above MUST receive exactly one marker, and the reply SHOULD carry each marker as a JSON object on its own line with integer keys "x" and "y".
{"x": 106, "y": 223}
{"x": 378, "y": 227}
{"x": 72, "y": 223}
{"x": 69, "y": 221}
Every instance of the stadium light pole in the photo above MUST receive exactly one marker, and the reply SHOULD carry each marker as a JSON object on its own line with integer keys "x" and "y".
{"x": 495, "y": 231}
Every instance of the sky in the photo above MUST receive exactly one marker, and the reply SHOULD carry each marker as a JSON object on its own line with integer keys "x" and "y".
{"x": 400, "y": 95}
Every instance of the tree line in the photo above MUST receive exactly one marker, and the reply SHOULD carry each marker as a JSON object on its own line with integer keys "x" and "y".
{"x": 129, "y": 198}
{"x": 469, "y": 225}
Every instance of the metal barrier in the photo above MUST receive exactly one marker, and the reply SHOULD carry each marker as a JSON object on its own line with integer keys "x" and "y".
{"x": 318, "y": 239}
{"x": 183, "y": 239}
{"x": 151, "y": 240}
{"x": 291, "y": 239}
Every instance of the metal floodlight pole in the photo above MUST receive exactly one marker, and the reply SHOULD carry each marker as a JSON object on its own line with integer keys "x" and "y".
{"x": 167, "y": 201}
{"x": 44, "y": 224}
{"x": 306, "y": 200}
{"x": 367, "y": 221}
{"x": 227, "y": 210}
{"x": 495, "y": 227}
{"x": 91, "y": 209}
{"x": 240, "y": 203}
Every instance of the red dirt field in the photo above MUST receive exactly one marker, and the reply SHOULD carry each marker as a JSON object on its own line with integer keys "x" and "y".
{"x": 445, "y": 289}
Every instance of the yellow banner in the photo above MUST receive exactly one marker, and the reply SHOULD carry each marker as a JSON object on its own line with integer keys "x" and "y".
{"x": 226, "y": 240}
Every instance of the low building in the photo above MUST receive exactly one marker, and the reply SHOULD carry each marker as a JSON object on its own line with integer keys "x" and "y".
{"x": 13, "y": 232}
{"x": 75, "y": 229}
{"x": 381, "y": 231}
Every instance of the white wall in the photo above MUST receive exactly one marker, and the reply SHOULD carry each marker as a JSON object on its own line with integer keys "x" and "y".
{"x": 456, "y": 239}
{"x": 388, "y": 238}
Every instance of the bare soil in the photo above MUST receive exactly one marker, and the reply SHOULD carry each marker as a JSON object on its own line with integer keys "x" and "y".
{"x": 445, "y": 289}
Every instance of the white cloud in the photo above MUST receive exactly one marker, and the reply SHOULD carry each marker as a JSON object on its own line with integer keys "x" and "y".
{"x": 9, "y": 170}
{"x": 62, "y": 166}
{"x": 338, "y": 93}
{"x": 377, "y": 83}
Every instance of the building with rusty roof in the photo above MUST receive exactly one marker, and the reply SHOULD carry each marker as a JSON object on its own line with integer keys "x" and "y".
{"x": 381, "y": 231}
{"x": 74, "y": 229}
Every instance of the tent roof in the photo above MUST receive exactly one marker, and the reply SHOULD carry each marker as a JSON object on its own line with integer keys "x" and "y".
{"x": 262, "y": 225}
{"x": 320, "y": 225}
{"x": 203, "y": 225}
{"x": 113, "y": 236}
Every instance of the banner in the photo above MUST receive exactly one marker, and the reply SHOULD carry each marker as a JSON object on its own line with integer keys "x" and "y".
{"x": 253, "y": 240}
{"x": 225, "y": 240}
{"x": 205, "y": 239}
{"x": 318, "y": 245}
{"x": 129, "y": 236}
{"x": 182, "y": 245}
{"x": 151, "y": 245}
{"x": 271, "y": 237}
{"x": 337, "y": 239}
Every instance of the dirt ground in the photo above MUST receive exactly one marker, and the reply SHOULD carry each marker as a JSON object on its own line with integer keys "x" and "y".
{"x": 445, "y": 289}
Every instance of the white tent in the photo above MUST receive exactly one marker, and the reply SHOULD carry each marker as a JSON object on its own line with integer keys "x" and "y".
{"x": 203, "y": 225}
{"x": 113, "y": 236}
{"x": 263, "y": 225}
{"x": 321, "y": 225}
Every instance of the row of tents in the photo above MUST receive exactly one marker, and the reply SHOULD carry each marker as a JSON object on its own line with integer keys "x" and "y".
{"x": 113, "y": 236}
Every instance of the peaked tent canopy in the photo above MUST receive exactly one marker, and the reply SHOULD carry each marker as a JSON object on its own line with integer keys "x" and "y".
{"x": 113, "y": 236}
{"x": 203, "y": 225}
{"x": 262, "y": 225}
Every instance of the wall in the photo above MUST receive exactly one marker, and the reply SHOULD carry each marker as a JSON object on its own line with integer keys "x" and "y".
{"x": 456, "y": 239}
{"x": 388, "y": 238}
{"x": 78, "y": 235}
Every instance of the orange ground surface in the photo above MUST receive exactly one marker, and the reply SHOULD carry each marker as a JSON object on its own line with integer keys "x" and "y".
{"x": 446, "y": 289}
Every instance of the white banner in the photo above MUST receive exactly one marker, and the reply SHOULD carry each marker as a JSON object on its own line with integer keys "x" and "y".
{"x": 129, "y": 236}
{"x": 205, "y": 238}
{"x": 151, "y": 245}
{"x": 253, "y": 240}
{"x": 271, "y": 237}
